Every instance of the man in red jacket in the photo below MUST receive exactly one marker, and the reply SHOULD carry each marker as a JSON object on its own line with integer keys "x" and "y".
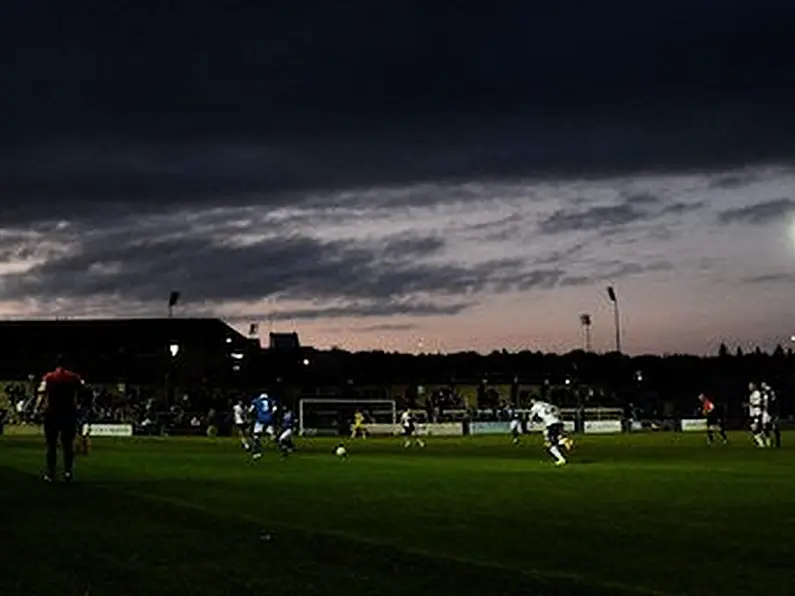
{"x": 58, "y": 396}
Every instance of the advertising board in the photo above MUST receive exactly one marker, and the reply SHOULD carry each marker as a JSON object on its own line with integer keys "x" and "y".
{"x": 602, "y": 426}
{"x": 447, "y": 429}
{"x": 489, "y": 428}
{"x": 109, "y": 430}
{"x": 694, "y": 424}
{"x": 537, "y": 427}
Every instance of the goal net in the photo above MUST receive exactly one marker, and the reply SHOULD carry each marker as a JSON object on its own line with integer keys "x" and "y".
{"x": 335, "y": 416}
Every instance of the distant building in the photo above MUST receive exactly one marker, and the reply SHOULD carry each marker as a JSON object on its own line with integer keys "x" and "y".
{"x": 284, "y": 341}
{"x": 128, "y": 350}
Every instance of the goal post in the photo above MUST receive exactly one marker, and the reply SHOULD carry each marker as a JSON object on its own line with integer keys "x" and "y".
{"x": 334, "y": 416}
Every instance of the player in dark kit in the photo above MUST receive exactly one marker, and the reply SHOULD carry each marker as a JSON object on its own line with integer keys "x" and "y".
{"x": 58, "y": 396}
{"x": 715, "y": 420}
{"x": 773, "y": 410}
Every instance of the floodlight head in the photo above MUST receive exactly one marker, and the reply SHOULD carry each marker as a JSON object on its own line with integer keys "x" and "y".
{"x": 306, "y": 362}
{"x": 237, "y": 355}
{"x": 585, "y": 319}
{"x": 173, "y": 349}
{"x": 611, "y": 293}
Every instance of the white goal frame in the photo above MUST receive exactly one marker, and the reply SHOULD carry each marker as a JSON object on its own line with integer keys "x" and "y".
{"x": 350, "y": 402}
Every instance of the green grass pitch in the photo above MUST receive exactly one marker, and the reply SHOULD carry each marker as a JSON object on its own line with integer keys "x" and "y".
{"x": 639, "y": 514}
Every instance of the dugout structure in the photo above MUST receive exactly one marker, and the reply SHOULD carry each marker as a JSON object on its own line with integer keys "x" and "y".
{"x": 334, "y": 416}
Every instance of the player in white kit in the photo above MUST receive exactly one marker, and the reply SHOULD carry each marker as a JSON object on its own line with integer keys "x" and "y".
{"x": 756, "y": 415}
{"x": 556, "y": 442}
{"x": 409, "y": 429}
{"x": 516, "y": 427}
{"x": 241, "y": 424}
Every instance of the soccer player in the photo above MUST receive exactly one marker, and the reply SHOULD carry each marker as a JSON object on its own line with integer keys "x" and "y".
{"x": 358, "y": 429}
{"x": 241, "y": 424}
{"x": 549, "y": 416}
{"x": 715, "y": 420}
{"x": 516, "y": 427}
{"x": 285, "y": 440}
{"x": 756, "y": 415}
{"x": 262, "y": 407}
{"x": 58, "y": 395}
{"x": 409, "y": 428}
{"x": 771, "y": 407}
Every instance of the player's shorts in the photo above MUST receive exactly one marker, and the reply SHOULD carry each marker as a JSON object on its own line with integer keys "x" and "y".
{"x": 286, "y": 435}
{"x": 241, "y": 427}
{"x": 554, "y": 433}
{"x": 756, "y": 425}
{"x": 60, "y": 425}
{"x": 714, "y": 420}
{"x": 516, "y": 427}
{"x": 263, "y": 427}
{"x": 408, "y": 430}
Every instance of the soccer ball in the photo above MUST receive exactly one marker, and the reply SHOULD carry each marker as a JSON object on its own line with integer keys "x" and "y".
{"x": 340, "y": 451}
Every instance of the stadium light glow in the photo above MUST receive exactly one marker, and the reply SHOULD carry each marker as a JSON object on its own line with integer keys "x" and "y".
{"x": 173, "y": 349}
{"x": 236, "y": 356}
{"x": 306, "y": 362}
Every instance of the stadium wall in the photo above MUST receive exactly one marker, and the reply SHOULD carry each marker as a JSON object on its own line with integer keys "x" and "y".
{"x": 444, "y": 429}
{"x": 694, "y": 424}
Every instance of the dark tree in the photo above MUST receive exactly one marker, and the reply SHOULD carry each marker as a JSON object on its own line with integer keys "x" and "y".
{"x": 739, "y": 352}
{"x": 723, "y": 351}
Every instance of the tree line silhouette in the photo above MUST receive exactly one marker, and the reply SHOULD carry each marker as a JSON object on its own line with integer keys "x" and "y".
{"x": 669, "y": 382}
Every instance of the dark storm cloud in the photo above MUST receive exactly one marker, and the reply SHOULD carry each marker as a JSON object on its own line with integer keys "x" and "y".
{"x": 387, "y": 309}
{"x": 413, "y": 246}
{"x": 634, "y": 208}
{"x": 768, "y": 278}
{"x": 761, "y": 213}
{"x": 259, "y": 101}
{"x": 733, "y": 180}
{"x": 621, "y": 270}
{"x": 642, "y": 199}
{"x": 386, "y": 327}
{"x": 613, "y": 271}
{"x": 593, "y": 218}
{"x": 681, "y": 208}
{"x": 371, "y": 279}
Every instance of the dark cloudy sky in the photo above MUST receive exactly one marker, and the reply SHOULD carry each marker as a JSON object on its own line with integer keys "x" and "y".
{"x": 380, "y": 174}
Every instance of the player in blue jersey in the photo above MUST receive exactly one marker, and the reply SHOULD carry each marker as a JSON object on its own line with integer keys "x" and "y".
{"x": 262, "y": 409}
{"x": 286, "y": 444}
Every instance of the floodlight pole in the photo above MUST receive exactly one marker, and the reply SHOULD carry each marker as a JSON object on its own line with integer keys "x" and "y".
{"x": 173, "y": 298}
{"x": 585, "y": 321}
{"x": 611, "y": 293}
